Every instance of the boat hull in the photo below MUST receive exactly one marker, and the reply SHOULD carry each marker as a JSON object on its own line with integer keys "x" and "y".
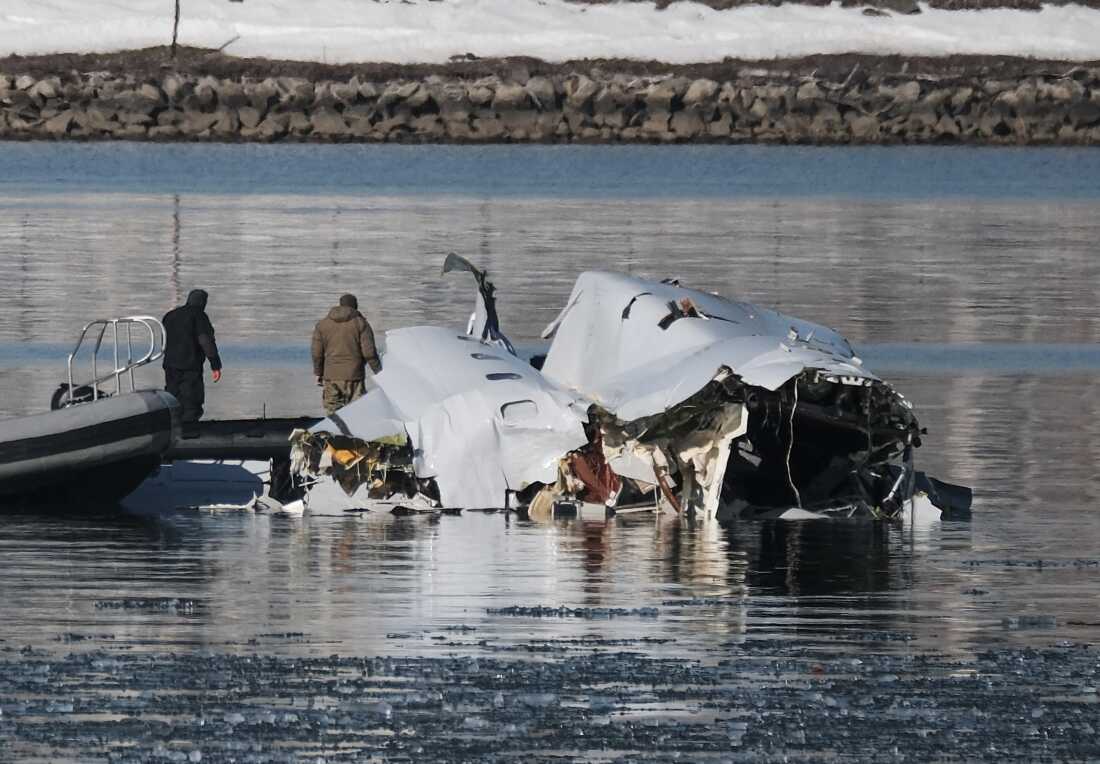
{"x": 96, "y": 452}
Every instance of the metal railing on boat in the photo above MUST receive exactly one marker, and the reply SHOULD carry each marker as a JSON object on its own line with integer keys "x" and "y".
{"x": 156, "y": 338}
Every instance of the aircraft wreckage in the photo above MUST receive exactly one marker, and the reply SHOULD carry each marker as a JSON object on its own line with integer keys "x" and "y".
{"x": 649, "y": 394}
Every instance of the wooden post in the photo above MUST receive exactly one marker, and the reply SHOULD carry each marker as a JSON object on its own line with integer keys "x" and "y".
{"x": 175, "y": 29}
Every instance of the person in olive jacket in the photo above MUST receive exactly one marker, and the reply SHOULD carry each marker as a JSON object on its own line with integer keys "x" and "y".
{"x": 189, "y": 344}
{"x": 343, "y": 344}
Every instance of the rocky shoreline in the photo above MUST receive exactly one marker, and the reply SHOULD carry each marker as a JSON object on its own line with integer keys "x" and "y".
{"x": 842, "y": 100}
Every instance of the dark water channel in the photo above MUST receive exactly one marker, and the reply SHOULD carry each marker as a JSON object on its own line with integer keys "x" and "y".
{"x": 968, "y": 278}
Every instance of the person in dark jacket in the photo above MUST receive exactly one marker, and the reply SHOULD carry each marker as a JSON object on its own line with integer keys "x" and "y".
{"x": 189, "y": 344}
{"x": 343, "y": 344}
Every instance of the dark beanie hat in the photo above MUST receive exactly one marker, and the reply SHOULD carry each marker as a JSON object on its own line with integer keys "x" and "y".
{"x": 349, "y": 301}
{"x": 197, "y": 298}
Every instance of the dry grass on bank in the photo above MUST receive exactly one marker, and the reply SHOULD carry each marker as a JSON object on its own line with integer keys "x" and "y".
{"x": 154, "y": 63}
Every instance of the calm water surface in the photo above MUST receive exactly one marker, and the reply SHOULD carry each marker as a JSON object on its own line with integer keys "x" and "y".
{"x": 967, "y": 277}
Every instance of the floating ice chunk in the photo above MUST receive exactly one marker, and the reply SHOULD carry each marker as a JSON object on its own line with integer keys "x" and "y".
{"x": 378, "y": 708}
{"x": 475, "y": 723}
{"x": 538, "y": 699}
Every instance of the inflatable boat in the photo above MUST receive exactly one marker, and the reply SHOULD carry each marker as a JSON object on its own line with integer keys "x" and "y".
{"x": 94, "y": 452}
{"x": 93, "y": 446}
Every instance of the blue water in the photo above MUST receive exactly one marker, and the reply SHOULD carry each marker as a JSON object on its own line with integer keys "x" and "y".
{"x": 926, "y": 359}
{"x": 622, "y": 172}
{"x": 968, "y": 278}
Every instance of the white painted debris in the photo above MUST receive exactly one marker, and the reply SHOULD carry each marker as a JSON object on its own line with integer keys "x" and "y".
{"x": 649, "y": 393}
{"x": 920, "y": 511}
{"x": 481, "y": 422}
{"x": 624, "y": 342}
{"x": 294, "y": 507}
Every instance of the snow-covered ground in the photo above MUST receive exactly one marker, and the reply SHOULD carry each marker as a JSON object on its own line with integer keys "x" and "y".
{"x": 425, "y": 31}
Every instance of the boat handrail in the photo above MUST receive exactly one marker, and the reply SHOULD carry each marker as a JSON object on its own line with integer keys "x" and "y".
{"x": 157, "y": 339}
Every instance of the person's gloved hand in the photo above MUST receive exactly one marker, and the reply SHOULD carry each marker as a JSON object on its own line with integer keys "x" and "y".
{"x": 320, "y": 382}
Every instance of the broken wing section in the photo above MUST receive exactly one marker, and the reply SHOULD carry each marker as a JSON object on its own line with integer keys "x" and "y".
{"x": 453, "y": 422}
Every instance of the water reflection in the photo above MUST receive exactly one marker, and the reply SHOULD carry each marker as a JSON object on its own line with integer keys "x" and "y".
{"x": 919, "y": 274}
{"x": 385, "y": 584}
{"x": 901, "y": 272}
{"x": 881, "y": 271}
{"x": 175, "y": 280}
{"x": 817, "y": 558}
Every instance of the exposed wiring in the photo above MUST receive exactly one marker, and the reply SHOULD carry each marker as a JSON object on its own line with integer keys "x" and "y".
{"x": 790, "y": 446}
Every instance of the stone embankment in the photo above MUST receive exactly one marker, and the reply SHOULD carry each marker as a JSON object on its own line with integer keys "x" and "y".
{"x": 594, "y": 105}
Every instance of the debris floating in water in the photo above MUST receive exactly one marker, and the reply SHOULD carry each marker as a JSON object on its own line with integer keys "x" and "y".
{"x": 650, "y": 396}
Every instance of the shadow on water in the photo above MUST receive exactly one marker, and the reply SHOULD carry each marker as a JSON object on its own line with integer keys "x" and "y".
{"x": 90, "y": 524}
{"x": 817, "y": 558}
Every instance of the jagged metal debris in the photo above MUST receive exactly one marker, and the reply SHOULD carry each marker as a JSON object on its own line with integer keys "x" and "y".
{"x": 484, "y": 323}
{"x": 648, "y": 393}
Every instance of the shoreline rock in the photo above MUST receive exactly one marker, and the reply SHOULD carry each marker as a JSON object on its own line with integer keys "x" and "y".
{"x": 1035, "y": 105}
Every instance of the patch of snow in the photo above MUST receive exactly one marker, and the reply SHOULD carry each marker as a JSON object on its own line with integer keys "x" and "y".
{"x": 425, "y": 31}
